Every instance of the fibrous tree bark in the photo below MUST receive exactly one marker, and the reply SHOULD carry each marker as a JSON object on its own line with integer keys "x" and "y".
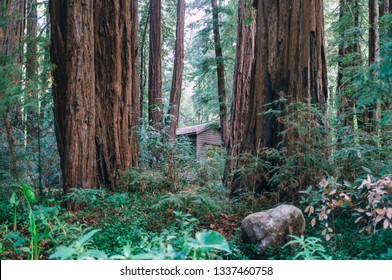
{"x": 155, "y": 64}
{"x": 11, "y": 51}
{"x": 116, "y": 92}
{"x": 96, "y": 101}
{"x": 72, "y": 51}
{"x": 246, "y": 31}
{"x": 175, "y": 93}
{"x": 290, "y": 66}
{"x": 220, "y": 70}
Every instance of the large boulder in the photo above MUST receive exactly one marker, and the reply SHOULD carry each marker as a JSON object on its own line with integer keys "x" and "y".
{"x": 272, "y": 227}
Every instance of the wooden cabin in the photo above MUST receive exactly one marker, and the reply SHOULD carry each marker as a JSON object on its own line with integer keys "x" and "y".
{"x": 203, "y": 137}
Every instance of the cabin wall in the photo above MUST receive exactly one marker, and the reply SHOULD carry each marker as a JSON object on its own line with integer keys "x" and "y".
{"x": 208, "y": 137}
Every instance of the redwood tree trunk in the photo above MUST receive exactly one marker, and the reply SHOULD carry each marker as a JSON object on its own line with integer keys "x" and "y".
{"x": 11, "y": 50}
{"x": 155, "y": 64}
{"x": 175, "y": 93}
{"x": 31, "y": 68}
{"x": 241, "y": 81}
{"x": 220, "y": 70}
{"x": 72, "y": 50}
{"x": 289, "y": 65}
{"x": 117, "y": 96}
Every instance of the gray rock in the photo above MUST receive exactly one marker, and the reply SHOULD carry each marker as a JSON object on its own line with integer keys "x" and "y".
{"x": 272, "y": 227}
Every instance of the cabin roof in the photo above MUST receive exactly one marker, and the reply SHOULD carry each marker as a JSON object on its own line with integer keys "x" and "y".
{"x": 194, "y": 129}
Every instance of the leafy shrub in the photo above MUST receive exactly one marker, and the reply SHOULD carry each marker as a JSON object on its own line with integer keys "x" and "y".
{"x": 175, "y": 243}
{"x": 311, "y": 248}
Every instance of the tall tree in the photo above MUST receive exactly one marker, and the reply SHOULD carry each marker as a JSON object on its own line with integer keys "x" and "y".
{"x": 11, "y": 36}
{"x": 349, "y": 58}
{"x": 175, "y": 93}
{"x": 95, "y": 100}
{"x": 371, "y": 112}
{"x": 155, "y": 64}
{"x": 31, "y": 65}
{"x": 116, "y": 88}
{"x": 289, "y": 66}
{"x": 384, "y": 8}
{"x": 72, "y": 51}
{"x": 373, "y": 31}
{"x": 144, "y": 22}
{"x": 136, "y": 67}
{"x": 246, "y": 31}
{"x": 220, "y": 70}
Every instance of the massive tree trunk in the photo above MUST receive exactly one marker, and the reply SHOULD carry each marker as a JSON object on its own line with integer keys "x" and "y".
{"x": 175, "y": 93}
{"x": 96, "y": 100}
{"x": 11, "y": 51}
{"x": 116, "y": 94}
{"x": 290, "y": 66}
{"x": 72, "y": 50}
{"x": 220, "y": 70}
{"x": 155, "y": 64}
{"x": 246, "y": 31}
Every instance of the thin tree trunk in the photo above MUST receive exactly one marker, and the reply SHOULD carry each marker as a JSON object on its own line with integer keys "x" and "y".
{"x": 155, "y": 64}
{"x": 136, "y": 69}
{"x": 349, "y": 13}
{"x": 175, "y": 93}
{"x": 371, "y": 113}
{"x": 116, "y": 94}
{"x": 220, "y": 70}
{"x": 72, "y": 50}
{"x": 143, "y": 70}
{"x": 373, "y": 32}
{"x": 241, "y": 82}
{"x": 383, "y": 8}
{"x": 31, "y": 69}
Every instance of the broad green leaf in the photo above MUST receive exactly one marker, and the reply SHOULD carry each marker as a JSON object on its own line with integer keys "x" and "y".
{"x": 146, "y": 256}
{"x": 62, "y": 253}
{"x": 14, "y": 200}
{"x": 127, "y": 252}
{"x": 367, "y": 170}
{"x": 28, "y": 193}
{"x": 83, "y": 239}
{"x": 117, "y": 257}
{"x": 94, "y": 254}
{"x": 211, "y": 240}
